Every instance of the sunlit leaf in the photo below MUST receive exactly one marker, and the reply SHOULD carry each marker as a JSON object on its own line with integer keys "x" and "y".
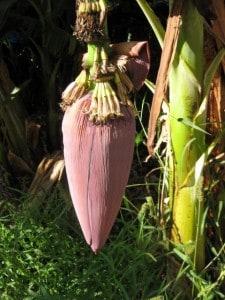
{"x": 153, "y": 20}
{"x": 189, "y": 123}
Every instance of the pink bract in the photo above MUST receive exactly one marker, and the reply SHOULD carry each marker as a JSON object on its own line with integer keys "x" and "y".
{"x": 98, "y": 159}
{"x": 138, "y": 63}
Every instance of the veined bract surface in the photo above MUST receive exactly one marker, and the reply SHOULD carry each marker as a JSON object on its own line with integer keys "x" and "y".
{"x": 98, "y": 159}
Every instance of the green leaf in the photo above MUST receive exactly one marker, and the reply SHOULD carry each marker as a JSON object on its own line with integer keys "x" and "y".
{"x": 188, "y": 123}
{"x": 150, "y": 85}
{"x": 153, "y": 21}
{"x": 139, "y": 138}
{"x": 211, "y": 72}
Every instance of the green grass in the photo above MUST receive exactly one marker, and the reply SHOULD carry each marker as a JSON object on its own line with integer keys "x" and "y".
{"x": 43, "y": 256}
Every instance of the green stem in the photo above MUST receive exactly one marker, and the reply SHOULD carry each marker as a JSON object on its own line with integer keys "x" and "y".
{"x": 94, "y": 48}
{"x": 186, "y": 79}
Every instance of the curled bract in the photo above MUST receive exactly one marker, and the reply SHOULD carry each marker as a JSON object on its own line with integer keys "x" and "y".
{"x": 135, "y": 58}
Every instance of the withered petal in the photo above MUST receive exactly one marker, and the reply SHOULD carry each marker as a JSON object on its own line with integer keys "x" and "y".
{"x": 98, "y": 159}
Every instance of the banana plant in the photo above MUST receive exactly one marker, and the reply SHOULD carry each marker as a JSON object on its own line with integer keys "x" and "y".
{"x": 182, "y": 71}
{"x": 99, "y": 122}
{"x": 185, "y": 99}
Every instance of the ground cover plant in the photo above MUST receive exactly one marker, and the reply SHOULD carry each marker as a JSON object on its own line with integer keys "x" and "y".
{"x": 43, "y": 256}
{"x": 42, "y": 251}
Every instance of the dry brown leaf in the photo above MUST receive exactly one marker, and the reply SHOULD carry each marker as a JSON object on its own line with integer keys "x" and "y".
{"x": 169, "y": 48}
{"x": 48, "y": 173}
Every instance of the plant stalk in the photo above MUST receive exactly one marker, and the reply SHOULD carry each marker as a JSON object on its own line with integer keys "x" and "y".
{"x": 186, "y": 78}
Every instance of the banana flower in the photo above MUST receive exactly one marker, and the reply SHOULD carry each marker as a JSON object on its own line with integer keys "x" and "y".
{"x": 98, "y": 138}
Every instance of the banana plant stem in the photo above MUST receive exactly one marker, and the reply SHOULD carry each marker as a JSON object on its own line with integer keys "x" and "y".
{"x": 185, "y": 82}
